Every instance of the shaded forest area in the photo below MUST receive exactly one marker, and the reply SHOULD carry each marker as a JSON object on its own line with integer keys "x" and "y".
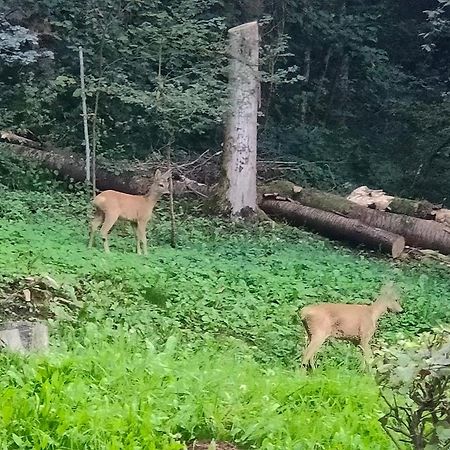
{"x": 354, "y": 93}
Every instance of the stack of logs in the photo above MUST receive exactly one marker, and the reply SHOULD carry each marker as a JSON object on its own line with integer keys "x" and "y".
{"x": 368, "y": 217}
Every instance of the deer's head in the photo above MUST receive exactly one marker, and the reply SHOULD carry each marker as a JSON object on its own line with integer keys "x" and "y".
{"x": 390, "y": 296}
{"x": 160, "y": 183}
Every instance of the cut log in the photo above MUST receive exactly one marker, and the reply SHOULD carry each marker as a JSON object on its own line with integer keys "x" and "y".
{"x": 16, "y": 139}
{"x": 417, "y": 232}
{"x": 371, "y": 198}
{"x": 325, "y": 201}
{"x": 334, "y": 226}
{"x": 422, "y": 209}
{"x": 23, "y": 336}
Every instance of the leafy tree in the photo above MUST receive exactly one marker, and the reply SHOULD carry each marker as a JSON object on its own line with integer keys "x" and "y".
{"x": 356, "y": 93}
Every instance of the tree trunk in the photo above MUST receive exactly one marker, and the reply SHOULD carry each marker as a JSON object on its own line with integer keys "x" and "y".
{"x": 321, "y": 82}
{"x": 236, "y": 193}
{"x": 85, "y": 117}
{"x": 131, "y": 181}
{"x": 335, "y": 226}
{"x": 423, "y": 209}
{"x": 417, "y": 232}
{"x": 306, "y": 74}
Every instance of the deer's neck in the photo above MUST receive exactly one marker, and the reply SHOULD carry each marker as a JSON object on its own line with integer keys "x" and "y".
{"x": 152, "y": 198}
{"x": 378, "y": 309}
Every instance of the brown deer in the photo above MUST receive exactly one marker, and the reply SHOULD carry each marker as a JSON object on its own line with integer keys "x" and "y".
{"x": 137, "y": 209}
{"x": 356, "y": 323}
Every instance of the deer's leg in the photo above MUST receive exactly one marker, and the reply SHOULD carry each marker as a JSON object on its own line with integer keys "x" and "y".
{"x": 365, "y": 346}
{"x": 110, "y": 220}
{"x": 96, "y": 222}
{"x": 315, "y": 342}
{"x": 142, "y": 235}
{"x": 138, "y": 242}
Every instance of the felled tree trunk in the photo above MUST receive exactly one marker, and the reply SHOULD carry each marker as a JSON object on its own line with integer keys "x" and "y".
{"x": 236, "y": 192}
{"x": 73, "y": 166}
{"x": 334, "y": 226}
{"x": 417, "y": 232}
{"x": 422, "y": 209}
{"x": 23, "y": 336}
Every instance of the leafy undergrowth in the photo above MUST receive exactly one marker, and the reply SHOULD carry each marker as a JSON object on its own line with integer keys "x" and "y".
{"x": 111, "y": 389}
{"x": 226, "y": 300}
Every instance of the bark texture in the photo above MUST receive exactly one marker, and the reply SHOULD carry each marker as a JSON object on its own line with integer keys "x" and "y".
{"x": 335, "y": 226}
{"x": 132, "y": 181}
{"x": 236, "y": 193}
{"x": 378, "y": 199}
{"x": 417, "y": 232}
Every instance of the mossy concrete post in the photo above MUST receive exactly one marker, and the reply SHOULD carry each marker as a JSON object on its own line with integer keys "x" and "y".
{"x": 23, "y": 336}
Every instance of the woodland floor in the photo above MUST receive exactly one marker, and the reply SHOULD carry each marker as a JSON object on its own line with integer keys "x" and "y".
{"x": 200, "y": 342}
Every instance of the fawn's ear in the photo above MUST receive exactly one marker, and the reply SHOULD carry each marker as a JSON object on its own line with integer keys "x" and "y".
{"x": 167, "y": 174}
{"x": 158, "y": 173}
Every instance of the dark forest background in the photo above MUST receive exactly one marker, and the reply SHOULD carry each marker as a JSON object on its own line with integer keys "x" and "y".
{"x": 356, "y": 92}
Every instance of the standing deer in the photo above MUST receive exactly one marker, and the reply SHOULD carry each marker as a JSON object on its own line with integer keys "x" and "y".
{"x": 137, "y": 209}
{"x": 356, "y": 323}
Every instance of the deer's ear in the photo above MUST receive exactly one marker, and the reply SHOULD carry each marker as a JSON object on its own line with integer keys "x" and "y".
{"x": 167, "y": 174}
{"x": 158, "y": 173}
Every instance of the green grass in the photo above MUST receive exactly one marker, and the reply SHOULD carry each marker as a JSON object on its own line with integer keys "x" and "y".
{"x": 198, "y": 341}
{"x": 111, "y": 389}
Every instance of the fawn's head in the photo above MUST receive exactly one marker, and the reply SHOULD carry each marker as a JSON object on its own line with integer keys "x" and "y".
{"x": 160, "y": 183}
{"x": 390, "y": 296}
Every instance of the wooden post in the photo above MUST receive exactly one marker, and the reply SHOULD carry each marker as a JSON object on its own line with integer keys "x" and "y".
{"x": 173, "y": 236}
{"x": 237, "y": 189}
{"x": 85, "y": 117}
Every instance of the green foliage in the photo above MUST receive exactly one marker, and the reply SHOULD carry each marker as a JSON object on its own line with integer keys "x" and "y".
{"x": 357, "y": 94}
{"x": 200, "y": 341}
{"x": 109, "y": 386}
{"x": 18, "y": 45}
{"x": 416, "y": 385}
{"x": 225, "y": 279}
{"x": 158, "y": 71}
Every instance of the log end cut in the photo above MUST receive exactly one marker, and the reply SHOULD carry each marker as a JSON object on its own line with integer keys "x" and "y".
{"x": 398, "y": 246}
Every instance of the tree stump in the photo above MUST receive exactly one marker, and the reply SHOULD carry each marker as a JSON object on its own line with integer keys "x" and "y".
{"x": 236, "y": 193}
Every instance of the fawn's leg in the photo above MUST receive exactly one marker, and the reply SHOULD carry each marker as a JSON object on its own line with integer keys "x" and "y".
{"x": 142, "y": 235}
{"x": 96, "y": 222}
{"x": 367, "y": 351}
{"x": 315, "y": 343}
{"x": 110, "y": 220}
{"x": 136, "y": 234}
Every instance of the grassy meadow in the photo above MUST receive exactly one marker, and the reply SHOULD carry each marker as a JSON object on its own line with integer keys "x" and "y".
{"x": 200, "y": 341}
